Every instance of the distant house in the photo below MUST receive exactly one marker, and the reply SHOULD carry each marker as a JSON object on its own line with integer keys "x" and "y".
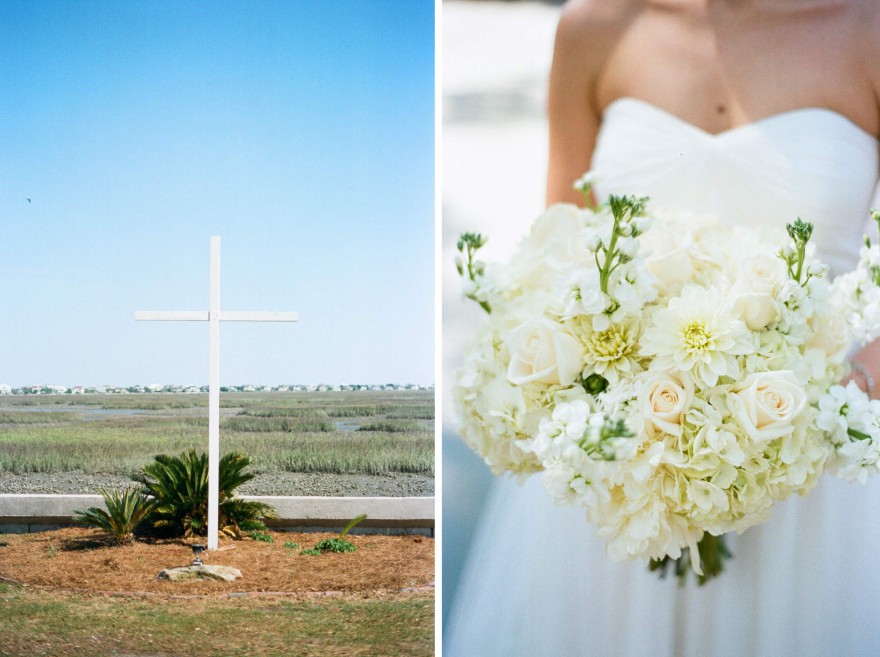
{"x": 5, "y": 389}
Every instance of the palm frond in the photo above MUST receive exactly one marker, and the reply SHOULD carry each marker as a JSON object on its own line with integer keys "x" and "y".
{"x": 180, "y": 486}
{"x": 126, "y": 510}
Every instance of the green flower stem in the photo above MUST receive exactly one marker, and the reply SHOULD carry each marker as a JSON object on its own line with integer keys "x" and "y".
{"x": 610, "y": 253}
{"x": 468, "y": 245}
{"x": 800, "y": 232}
{"x": 713, "y": 553}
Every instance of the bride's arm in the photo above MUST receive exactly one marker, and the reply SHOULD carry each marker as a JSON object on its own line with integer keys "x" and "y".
{"x": 866, "y": 362}
{"x": 587, "y": 33}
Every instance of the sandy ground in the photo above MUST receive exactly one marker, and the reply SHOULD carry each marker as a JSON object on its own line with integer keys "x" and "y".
{"x": 496, "y": 58}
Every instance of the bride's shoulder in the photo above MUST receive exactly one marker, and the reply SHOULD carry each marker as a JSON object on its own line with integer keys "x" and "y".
{"x": 589, "y": 30}
{"x": 582, "y": 19}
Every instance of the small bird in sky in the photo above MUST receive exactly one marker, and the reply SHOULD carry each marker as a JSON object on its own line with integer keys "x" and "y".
{"x": 28, "y": 200}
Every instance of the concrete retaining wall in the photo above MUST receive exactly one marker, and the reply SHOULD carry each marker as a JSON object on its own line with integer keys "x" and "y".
{"x": 28, "y": 513}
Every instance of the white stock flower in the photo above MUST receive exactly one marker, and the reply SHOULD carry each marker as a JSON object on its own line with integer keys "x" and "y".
{"x": 582, "y": 294}
{"x": 697, "y": 333}
{"x": 542, "y": 351}
{"x": 846, "y": 407}
{"x": 766, "y": 404}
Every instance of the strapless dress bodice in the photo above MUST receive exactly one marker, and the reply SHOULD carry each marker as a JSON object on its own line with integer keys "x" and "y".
{"x": 811, "y": 163}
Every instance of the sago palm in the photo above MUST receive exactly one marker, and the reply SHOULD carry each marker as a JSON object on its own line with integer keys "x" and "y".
{"x": 180, "y": 486}
{"x": 126, "y": 509}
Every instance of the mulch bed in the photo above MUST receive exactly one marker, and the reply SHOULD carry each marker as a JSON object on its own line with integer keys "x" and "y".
{"x": 82, "y": 560}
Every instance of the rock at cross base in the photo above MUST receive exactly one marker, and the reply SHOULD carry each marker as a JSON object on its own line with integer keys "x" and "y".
{"x": 224, "y": 573}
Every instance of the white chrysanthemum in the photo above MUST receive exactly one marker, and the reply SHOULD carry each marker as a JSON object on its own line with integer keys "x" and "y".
{"x": 697, "y": 333}
{"x": 613, "y": 353}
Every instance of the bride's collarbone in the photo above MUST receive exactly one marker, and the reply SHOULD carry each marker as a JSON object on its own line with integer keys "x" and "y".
{"x": 718, "y": 80}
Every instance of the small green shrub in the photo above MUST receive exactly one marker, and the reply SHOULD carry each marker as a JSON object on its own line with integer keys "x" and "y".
{"x": 291, "y": 545}
{"x": 126, "y": 510}
{"x": 338, "y": 544}
{"x": 313, "y": 552}
{"x": 262, "y": 536}
{"x": 335, "y": 545}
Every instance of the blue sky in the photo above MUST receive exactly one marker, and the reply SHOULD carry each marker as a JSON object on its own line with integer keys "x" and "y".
{"x": 300, "y": 132}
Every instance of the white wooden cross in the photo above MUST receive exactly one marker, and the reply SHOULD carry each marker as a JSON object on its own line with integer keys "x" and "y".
{"x": 214, "y": 316}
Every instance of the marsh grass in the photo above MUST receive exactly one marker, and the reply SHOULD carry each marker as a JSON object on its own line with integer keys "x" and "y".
{"x": 33, "y": 417}
{"x": 147, "y": 402}
{"x": 425, "y": 412}
{"x": 274, "y": 423}
{"x": 284, "y": 412}
{"x": 304, "y": 441}
{"x": 392, "y": 426}
{"x": 358, "y": 411}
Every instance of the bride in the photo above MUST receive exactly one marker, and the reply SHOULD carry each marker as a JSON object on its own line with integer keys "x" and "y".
{"x": 756, "y": 111}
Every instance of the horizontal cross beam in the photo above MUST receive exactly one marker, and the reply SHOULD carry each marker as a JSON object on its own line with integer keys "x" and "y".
{"x": 204, "y": 316}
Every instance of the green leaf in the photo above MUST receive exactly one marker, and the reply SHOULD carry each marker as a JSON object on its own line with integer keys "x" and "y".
{"x": 352, "y": 523}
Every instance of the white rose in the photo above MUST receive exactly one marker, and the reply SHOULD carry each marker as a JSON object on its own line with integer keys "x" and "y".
{"x": 668, "y": 257}
{"x": 755, "y": 290}
{"x": 766, "y": 404}
{"x": 541, "y": 351}
{"x": 663, "y": 401}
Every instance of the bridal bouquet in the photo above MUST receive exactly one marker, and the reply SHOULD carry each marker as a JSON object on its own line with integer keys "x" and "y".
{"x": 672, "y": 375}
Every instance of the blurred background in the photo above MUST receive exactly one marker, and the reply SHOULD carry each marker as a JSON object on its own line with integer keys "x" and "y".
{"x": 496, "y": 60}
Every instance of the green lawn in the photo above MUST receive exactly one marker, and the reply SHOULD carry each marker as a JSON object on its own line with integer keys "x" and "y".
{"x": 36, "y": 622}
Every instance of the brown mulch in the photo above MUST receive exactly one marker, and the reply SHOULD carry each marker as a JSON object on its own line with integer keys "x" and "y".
{"x": 81, "y": 559}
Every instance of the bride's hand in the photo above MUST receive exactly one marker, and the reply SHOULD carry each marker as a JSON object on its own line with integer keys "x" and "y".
{"x": 866, "y": 368}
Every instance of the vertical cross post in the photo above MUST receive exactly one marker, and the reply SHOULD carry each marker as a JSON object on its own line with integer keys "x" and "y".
{"x": 214, "y": 397}
{"x": 214, "y": 316}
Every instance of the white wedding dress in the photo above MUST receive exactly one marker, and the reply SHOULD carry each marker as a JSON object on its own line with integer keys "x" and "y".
{"x": 805, "y": 583}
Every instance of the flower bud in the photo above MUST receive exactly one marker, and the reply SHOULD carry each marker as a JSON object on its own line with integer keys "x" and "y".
{"x": 629, "y": 247}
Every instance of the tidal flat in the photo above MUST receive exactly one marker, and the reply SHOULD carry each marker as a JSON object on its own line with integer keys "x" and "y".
{"x": 300, "y": 443}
